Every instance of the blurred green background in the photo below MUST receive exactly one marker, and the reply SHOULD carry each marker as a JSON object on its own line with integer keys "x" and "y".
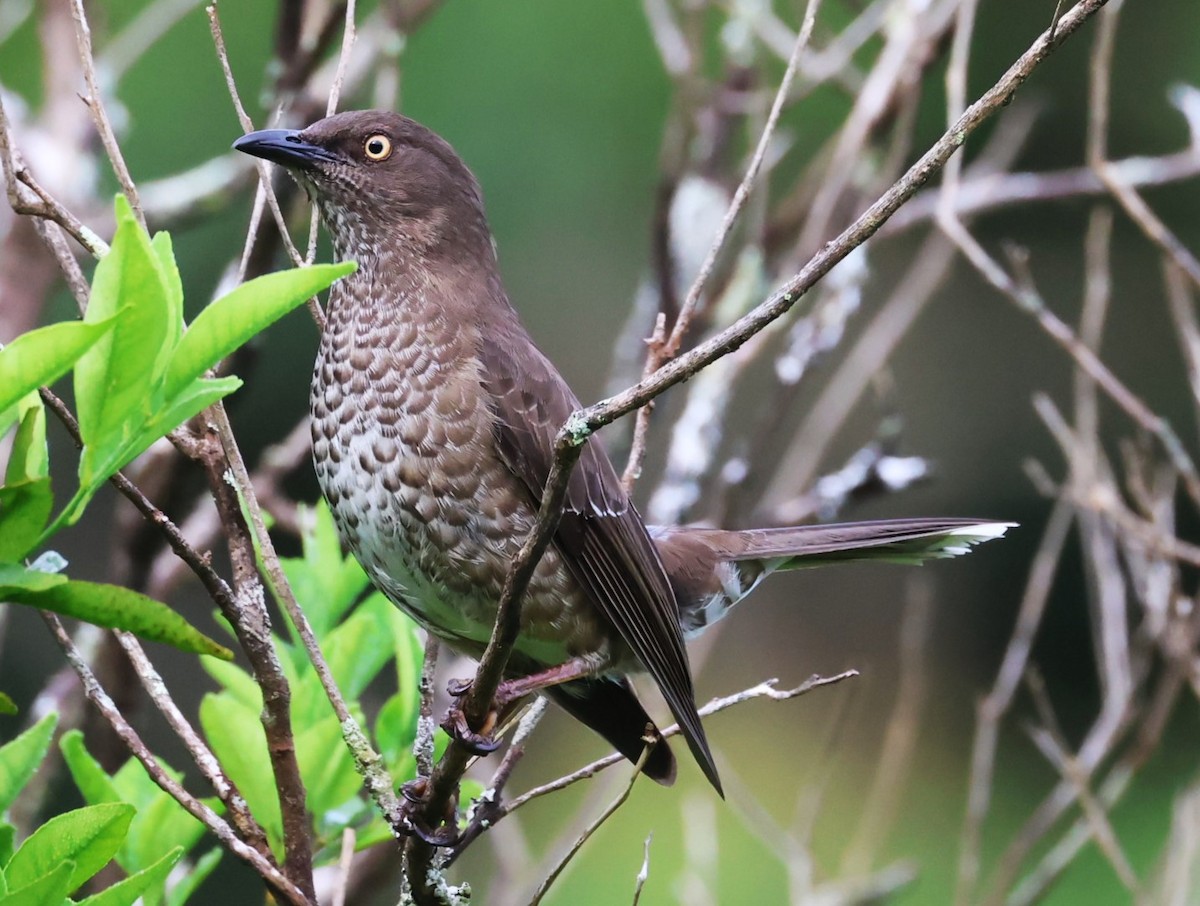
{"x": 558, "y": 109}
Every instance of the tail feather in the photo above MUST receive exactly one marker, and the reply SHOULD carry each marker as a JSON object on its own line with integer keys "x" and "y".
{"x": 907, "y": 541}
{"x": 610, "y": 707}
{"x": 712, "y": 569}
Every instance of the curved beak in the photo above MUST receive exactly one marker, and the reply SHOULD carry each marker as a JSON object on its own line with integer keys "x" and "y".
{"x": 284, "y": 147}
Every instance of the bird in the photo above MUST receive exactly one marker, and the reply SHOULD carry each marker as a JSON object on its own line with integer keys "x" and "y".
{"x": 434, "y": 415}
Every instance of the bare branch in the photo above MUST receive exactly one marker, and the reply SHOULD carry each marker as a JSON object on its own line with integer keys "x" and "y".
{"x": 95, "y": 102}
{"x": 280, "y": 885}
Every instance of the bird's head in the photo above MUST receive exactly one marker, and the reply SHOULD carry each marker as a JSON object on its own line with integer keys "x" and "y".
{"x": 374, "y": 173}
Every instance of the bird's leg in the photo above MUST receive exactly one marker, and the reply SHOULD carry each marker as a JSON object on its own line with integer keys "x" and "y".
{"x": 416, "y": 793}
{"x": 481, "y": 740}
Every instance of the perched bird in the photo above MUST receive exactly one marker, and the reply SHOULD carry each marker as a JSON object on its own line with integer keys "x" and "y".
{"x": 433, "y": 423}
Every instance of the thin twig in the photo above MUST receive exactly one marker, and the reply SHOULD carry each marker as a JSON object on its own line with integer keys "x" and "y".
{"x": 426, "y": 725}
{"x": 1028, "y": 300}
{"x": 367, "y": 761}
{"x": 749, "y": 180}
{"x": 248, "y": 828}
{"x": 280, "y": 885}
{"x": 765, "y": 689}
{"x": 95, "y": 102}
{"x": 264, "y": 172}
{"x": 662, "y": 351}
{"x": 1051, "y": 742}
{"x": 17, "y": 175}
{"x": 348, "y": 37}
{"x": 592, "y": 827}
{"x": 251, "y": 622}
{"x": 995, "y": 705}
{"x": 643, "y": 872}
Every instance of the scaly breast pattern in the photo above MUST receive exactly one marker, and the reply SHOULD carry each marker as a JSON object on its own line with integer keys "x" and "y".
{"x": 404, "y": 453}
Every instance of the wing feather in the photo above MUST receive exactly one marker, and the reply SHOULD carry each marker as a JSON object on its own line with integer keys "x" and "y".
{"x": 601, "y": 538}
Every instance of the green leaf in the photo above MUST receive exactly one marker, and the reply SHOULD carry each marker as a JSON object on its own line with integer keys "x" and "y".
{"x": 20, "y": 758}
{"x": 326, "y": 767}
{"x": 237, "y": 316}
{"x": 236, "y": 737}
{"x": 360, "y": 647}
{"x": 161, "y": 246}
{"x": 236, "y": 682}
{"x": 87, "y": 836}
{"x": 97, "y": 787}
{"x": 7, "y": 706}
{"x": 40, "y": 357}
{"x": 117, "y": 379}
{"x": 49, "y": 888}
{"x": 160, "y": 825}
{"x": 115, "y": 607}
{"x": 396, "y": 729}
{"x": 126, "y": 892}
{"x": 7, "y": 834}
{"x": 24, "y": 510}
{"x": 326, "y": 583}
{"x": 102, "y": 467}
{"x": 199, "y": 395}
{"x": 29, "y": 459}
{"x": 191, "y": 882}
{"x": 16, "y": 579}
{"x": 26, "y": 498}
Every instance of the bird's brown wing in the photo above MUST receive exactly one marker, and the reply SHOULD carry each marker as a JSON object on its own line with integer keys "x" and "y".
{"x": 601, "y": 536}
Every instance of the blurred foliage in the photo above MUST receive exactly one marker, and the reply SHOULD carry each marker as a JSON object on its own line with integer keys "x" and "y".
{"x": 558, "y": 108}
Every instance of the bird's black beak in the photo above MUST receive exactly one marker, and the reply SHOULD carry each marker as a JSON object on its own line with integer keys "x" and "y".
{"x": 284, "y": 147}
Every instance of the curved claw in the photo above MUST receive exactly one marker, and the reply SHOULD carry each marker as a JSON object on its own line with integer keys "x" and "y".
{"x": 415, "y": 790}
{"x": 414, "y": 793}
{"x": 446, "y": 835}
{"x": 459, "y": 687}
{"x": 457, "y": 727}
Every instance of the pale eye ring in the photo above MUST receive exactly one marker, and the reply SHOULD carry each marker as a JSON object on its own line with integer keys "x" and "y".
{"x": 377, "y": 147}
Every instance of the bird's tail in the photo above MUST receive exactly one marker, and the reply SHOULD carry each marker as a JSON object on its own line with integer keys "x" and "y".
{"x": 712, "y": 569}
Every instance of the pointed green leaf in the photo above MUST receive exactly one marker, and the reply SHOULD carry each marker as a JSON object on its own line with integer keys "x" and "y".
{"x": 236, "y": 682}
{"x": 87, "y": 836}
{"x": 196, "y": 876}
{"x": 115, "y": 607}
{"x": 40, "y": 357}
{"x": 16, "y": 580}
{"x": 117, "y": 379}
{"x": 26, "y": 498}
{"x": 20, "y": 758}
{"x": 326, "y": 767}
{"x": 161, "y": 824}
{"x": 24, "y": 511}
{"x": 29, "y": 459}
{"x": 49, "y": 889}
{"x": 165, "y": 254}
{"x": 126, "y": 892}
{"x": 7, "y": 835}
{"x": 236, "y": 737}
{"x": 95, "y": 468}
{"x": 8, "y": 707}
{"x": 195, "y": 398}
{"x": 395, "y": 730}
{"x": 326, "y": 583}
{"x": 97, "y": 787}
{"x": 360, "y": 647}
{"x": 237, "y": 316}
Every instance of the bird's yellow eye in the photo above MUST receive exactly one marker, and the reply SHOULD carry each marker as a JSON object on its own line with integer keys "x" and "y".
{"x": 378, "y": 147}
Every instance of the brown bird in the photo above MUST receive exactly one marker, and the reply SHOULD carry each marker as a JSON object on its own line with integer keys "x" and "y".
{"x": 433, "y": 422}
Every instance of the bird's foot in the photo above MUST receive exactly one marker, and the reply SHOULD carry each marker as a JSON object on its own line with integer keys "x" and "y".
{"x": 480, "y": 741}
{"x": 412, "y": 808}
